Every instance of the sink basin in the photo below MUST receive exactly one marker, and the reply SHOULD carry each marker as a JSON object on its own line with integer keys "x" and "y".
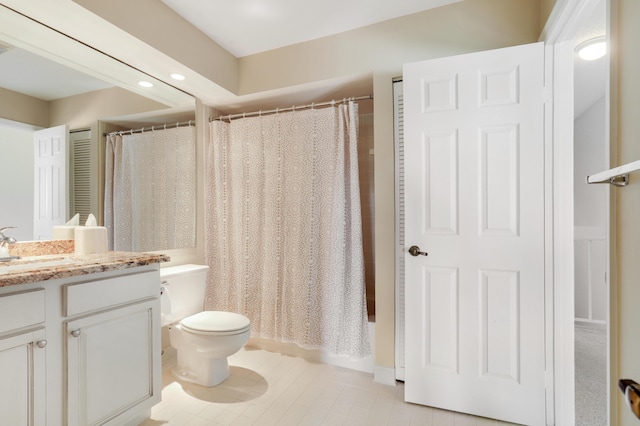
{"x": 33, "y": 264}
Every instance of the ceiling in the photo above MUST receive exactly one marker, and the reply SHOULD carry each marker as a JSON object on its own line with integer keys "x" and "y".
{"x": 31, "y": 74}
{"x": 590, "y": 77}
{"x": 234, "y": 25}
{"x": 247, "y": 27}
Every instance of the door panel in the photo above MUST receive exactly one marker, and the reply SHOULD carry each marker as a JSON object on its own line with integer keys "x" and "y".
{"x": 22, "y": 388}
{"x": 50, "y": 183}
{"x": 474, "y": 202}
{"x": 110, "y": 364}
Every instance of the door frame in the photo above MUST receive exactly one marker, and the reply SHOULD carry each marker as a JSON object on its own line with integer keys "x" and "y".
{"x": 558, "y": 35}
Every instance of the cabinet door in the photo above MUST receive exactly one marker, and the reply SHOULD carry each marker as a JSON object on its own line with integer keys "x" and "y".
{"x": 22, "y": 388}
{"x": 113, "y": 364}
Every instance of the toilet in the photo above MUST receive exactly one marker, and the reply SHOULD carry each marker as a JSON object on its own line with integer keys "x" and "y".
{"x": 203, "y": 339}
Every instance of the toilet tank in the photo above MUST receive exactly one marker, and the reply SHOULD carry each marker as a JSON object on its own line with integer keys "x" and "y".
{"x": 185, "y": 286}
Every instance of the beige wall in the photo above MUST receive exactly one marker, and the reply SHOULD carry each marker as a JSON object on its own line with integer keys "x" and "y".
{"x": 84, "y": 110}
{"x": 627, "y": 208}
{"x": 80, "y": 111}
{"x": 367, "y": 203}
{"x": 546, "y": 6}
{"x": 24, "y": 109}
{"x": 468, "y": 26}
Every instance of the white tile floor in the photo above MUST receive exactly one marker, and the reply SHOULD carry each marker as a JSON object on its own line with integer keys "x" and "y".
{"x": 267, "y": 388}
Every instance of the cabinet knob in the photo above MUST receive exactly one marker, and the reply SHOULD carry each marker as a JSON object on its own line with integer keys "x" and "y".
{"x": 41, "y": 343}
{"x": 75, "y": 333}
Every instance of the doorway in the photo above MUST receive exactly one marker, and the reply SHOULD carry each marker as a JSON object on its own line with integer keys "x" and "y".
{"x": 591, "y": 224}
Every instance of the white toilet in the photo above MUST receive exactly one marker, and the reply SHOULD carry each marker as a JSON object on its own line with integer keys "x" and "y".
{"x": 202, "y": 339}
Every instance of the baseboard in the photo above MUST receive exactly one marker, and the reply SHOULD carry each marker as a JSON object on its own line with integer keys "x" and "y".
{"x": 384, "y": 375}
{"x": 590, "y": 323}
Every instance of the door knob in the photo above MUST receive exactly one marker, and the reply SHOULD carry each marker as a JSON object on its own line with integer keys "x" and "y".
{"x": 41, "y": 343}
{"x": 415, "y": 251}
{"x": 75, "y": 333}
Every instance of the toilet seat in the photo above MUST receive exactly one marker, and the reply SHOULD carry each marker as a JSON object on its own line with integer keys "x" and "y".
{"x": 216, "y": 323}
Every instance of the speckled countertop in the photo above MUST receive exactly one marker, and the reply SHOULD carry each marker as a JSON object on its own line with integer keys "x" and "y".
{"x": 49, "y": 267}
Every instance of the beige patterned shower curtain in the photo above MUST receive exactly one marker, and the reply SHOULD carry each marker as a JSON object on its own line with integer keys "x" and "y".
{"x": 150, "y": 190}
{"x": 283, "y": 227}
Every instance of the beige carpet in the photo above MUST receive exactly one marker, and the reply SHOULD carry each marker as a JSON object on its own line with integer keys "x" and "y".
{"x": 591, "y": 374}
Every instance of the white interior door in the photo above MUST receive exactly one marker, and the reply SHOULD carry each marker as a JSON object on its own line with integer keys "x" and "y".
{"x": 50, "y": 180}
{"x": 474, "y": 181}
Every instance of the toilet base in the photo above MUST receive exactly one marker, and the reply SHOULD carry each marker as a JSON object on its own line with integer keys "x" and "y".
{"x": 202, "y": 359}
{"x": 211, "y": 372}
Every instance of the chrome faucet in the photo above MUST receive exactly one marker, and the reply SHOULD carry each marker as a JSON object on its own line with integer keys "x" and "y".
{"x": 4, "y": 240}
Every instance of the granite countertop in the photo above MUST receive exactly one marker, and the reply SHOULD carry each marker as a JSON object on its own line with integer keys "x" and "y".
{"x": 49, "y": 267}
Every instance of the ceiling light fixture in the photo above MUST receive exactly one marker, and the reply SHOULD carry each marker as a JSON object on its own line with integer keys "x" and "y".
{"x": 145, "y": 84}
{"x": 592, "y": 49}
{"x": 177, "y": 76}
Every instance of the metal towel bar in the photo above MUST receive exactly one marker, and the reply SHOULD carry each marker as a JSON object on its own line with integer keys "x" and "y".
{"x": 618, "y": 176}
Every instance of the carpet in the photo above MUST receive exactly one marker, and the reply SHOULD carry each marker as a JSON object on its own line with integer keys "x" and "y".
{"x": 591, "y": 374}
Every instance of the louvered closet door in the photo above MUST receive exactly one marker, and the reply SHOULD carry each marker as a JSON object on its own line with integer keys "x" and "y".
{"x": 398, "y": 130}
{"x": 474, "y": 202}
{"x": 80, "y": 188}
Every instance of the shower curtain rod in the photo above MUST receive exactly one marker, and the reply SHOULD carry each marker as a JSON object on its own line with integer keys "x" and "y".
{"x": 152, "y": 128}
{"x": 292, "y": 108}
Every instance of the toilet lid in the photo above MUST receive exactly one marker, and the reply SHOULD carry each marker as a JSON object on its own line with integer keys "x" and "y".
{"x": 216, "y": 321}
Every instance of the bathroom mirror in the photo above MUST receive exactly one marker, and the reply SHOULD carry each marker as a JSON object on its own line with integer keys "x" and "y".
{"x": 104, "y": 96}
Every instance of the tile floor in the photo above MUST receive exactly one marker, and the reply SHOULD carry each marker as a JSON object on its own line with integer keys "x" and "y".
{"x": 267, "y": 388}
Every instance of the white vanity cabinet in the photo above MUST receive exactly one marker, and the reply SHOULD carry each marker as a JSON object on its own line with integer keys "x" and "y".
{"x": 113, "y": 348}
{"x": 81, "y": 350}
{"x": 22, "y": 358}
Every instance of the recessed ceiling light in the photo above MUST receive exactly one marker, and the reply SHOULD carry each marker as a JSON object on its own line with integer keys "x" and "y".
{"x": 145, "y": 84}
{"x": 177, "y": 76}
{"x": 592, "y": 49}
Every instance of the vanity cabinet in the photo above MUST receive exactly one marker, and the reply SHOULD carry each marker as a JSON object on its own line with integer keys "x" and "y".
{"x": 112, "y": 352}
{"x": 22, "y": 358}
{"x": 82, "y": 350}
{"x": 22, "y": 388}
{"x": 110, "y": 364}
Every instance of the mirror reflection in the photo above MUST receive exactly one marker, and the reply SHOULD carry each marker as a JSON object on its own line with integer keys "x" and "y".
{"x": 39, "y": 96}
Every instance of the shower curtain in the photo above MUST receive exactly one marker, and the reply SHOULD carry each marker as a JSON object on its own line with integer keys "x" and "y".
{"x": 283, "y": 227}
{"x": 150, "y": 190}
